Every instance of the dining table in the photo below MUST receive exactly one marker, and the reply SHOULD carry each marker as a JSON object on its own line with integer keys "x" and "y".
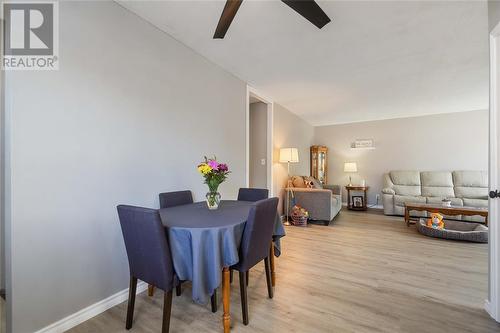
{"x": 205, "y": 244}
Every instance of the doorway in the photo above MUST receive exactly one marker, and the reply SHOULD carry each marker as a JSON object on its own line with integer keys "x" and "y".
{"x": 259, "y": 140}
{"x": 493, "y": 302}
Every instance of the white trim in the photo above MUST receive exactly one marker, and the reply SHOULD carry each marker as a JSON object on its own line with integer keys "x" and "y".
{"x": 91, "y": 311}
{"x": 492, "y": 305}
{"x": 247, "y": 139}
{"x": 270, "y": 134}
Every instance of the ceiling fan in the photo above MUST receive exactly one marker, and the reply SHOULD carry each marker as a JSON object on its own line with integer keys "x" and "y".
{"x": 309, "y": 9}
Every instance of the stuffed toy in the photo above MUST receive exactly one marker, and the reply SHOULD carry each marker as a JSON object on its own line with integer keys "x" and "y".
{"x": 309, "y": 183}
{"x": 436, "y": 221}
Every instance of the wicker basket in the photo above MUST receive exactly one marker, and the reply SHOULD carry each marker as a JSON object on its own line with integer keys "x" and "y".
{"x": 299, "y": 221}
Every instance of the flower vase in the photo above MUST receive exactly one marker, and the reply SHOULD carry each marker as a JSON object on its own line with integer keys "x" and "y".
{"x": 213, "y": 200}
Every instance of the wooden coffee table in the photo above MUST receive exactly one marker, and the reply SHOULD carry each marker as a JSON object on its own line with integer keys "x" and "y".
{"x": 453, "y": 210}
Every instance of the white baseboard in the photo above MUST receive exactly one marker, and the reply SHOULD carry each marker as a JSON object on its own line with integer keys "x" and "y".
{"x": 487, "y": 306}
{"x": 91, "y": 311}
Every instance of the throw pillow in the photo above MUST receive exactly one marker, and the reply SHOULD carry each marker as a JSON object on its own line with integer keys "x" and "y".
{"x": 298, "y": 181}
{"x": 315, "y": 182}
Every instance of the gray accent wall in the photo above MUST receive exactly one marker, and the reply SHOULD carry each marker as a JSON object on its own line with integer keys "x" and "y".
{"x": 289, "y": 130}
{"x": 455, "y": 141}
{"x": 129, "y": 114}
{"x": 258, "y": 145}
{"x": 493, "y": 13}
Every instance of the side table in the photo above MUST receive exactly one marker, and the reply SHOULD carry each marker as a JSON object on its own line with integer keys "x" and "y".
{"x": 350, "y": 204}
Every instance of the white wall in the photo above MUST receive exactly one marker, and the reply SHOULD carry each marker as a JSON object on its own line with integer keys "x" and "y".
{"x": 289, "y": 131}
{"x": 129, "y": 114}
{"x": 258, "y": 145}
{"x": 456, "y": 141}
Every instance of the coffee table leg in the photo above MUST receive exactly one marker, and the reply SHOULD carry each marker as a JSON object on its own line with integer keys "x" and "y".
{"x": 271, "y": 258}
{"x": 226, "y": 293}
{"x": 407, "y": 217}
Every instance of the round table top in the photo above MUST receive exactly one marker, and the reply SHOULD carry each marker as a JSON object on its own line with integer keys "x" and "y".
{"x": 197, "y": 215}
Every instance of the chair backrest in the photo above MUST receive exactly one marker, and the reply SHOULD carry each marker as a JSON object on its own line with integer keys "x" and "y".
{"x": 147, "y": 246}
{"x": 171, "y": 199}
{"x": 258, "y": 233}
{"x": 253, "y": 194}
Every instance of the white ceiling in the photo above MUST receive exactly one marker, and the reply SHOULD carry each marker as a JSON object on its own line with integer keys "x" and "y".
{"x": 375, "y": 60}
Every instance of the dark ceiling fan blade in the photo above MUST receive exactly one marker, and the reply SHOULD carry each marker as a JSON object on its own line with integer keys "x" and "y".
{"x": 310, "y": 10}
{"x": 227, "y": 16}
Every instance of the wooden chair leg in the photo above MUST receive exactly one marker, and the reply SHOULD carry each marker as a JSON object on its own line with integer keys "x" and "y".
{"x": 213, "y": 301}
{"x": 151, "y": 290}
{"x": 271, "y": 259}
{"x": 131, "y": 302}
{"x": 178, "y": 289}
{"x": 167, "y": 309}
{"x": 247, "y": 277}
{"x": 268, "y": 278}
{"x": 244, "y": 300}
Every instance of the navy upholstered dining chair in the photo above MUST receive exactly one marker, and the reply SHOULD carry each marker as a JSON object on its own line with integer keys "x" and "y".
{"x": 148, "y": 256}
{"x": 177, "y": 198}
{"x": 254, "y": 246}
{"x": 253, "y": 194}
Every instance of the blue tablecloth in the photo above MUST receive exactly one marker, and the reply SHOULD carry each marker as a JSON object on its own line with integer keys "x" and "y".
{"x": 204, "y": 241}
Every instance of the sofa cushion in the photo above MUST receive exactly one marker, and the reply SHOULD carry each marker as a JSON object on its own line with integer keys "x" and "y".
{"x": 406, "y": 183}
{"x": 470, "y": 178}
{"x": 400, "y": 200}
{"x": 471, "y": 192}
{"x": 298, "y": 181}
{"x": 411, "y": 178}
{"x": 437, "y": 184}
{"x": 475, "y": 202}
{"x": 436, "y": 178}
{"x": 471, "y": 184}
{"x": 438, "y": 201}
{"x": 407, "y": 190}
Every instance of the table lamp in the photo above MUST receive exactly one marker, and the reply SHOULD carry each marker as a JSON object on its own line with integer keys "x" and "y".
{"x": 350, "y": 167}
{"x": 288, "y": 155}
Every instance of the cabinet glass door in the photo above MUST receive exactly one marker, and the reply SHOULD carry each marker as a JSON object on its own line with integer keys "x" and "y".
{"x": 321, "y": 167}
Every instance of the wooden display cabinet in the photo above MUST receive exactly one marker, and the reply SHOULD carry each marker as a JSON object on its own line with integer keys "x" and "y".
{"x": 319, "y": 163}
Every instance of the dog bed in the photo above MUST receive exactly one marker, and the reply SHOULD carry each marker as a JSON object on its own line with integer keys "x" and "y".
{"x": 456, "y": 230}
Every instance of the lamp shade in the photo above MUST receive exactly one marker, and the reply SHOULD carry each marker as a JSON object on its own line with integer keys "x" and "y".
{"x": 289, "y": 155}
{"x": 350, "y": 167}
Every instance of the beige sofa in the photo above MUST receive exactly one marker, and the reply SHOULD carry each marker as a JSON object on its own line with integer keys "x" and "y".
{"x": 463, "y": 188}
{"x": 323, "y": 202}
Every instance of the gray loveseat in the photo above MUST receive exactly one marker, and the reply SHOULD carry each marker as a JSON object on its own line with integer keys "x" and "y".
{"x": 323, "y": 202}
{"x": 463, "y": 188}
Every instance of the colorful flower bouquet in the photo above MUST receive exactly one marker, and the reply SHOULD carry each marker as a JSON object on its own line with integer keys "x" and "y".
{"x": 214, "y": 173}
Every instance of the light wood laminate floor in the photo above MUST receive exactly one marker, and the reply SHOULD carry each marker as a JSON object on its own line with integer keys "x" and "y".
{"x": 366, "y": 272}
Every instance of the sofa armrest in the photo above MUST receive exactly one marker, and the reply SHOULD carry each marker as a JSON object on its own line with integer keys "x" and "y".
{"x": 318, "y": 202}
{"x": 388, "y": 190}
{"x": 336, "y": 189}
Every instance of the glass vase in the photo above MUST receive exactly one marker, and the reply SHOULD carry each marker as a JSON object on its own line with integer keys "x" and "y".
{"x": 213, "y": 200}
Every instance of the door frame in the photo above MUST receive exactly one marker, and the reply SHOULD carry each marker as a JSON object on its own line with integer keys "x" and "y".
{"x": 492, "y": 304}
{"x": 269, "y": 140}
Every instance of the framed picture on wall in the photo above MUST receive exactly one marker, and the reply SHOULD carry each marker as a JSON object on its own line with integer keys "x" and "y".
{"x": 357, "y": 201}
